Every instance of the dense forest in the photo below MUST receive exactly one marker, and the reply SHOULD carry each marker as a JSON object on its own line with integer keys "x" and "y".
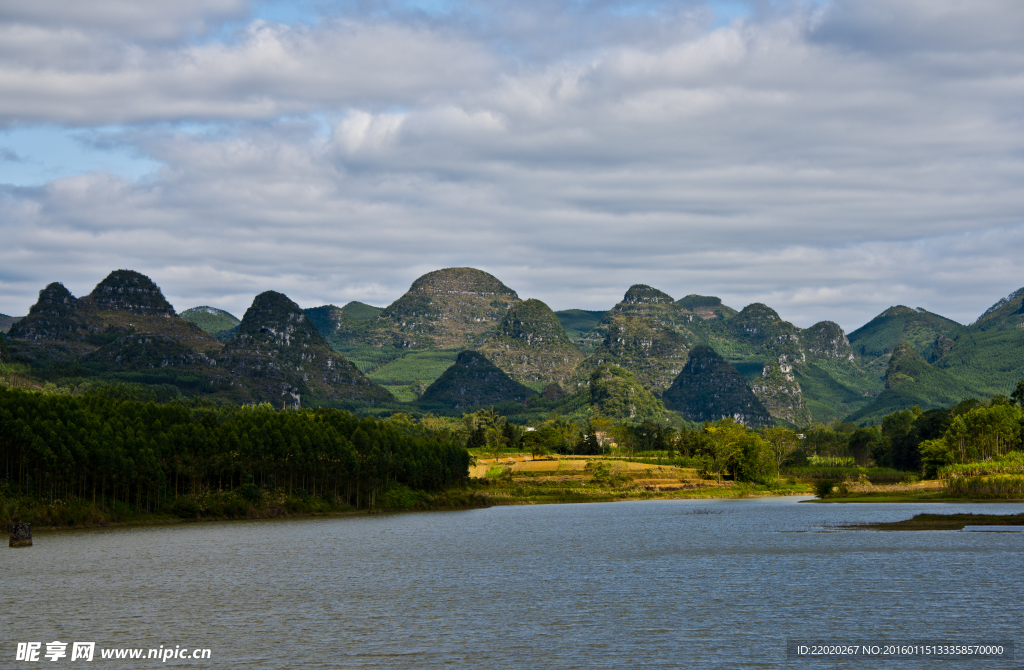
{"x": 148, "y": 455}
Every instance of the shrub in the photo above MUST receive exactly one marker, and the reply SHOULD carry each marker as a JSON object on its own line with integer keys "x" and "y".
{"x": 823, "y": 487}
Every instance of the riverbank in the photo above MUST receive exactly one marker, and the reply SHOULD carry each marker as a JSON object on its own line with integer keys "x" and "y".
{"x": 944, "y": 522}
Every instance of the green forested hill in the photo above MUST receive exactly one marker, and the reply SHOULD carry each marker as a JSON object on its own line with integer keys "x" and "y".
{"x": 922, "y": 329}
{"x": 578, "y": 322}
{"x": 910, "y": 380}
{"x": 1007, "y": 314}
{"x": 216, "y": 322}
{"x": 473, "y": 381}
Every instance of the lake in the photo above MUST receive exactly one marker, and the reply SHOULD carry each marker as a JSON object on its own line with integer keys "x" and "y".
{"x": 655, "y": 584}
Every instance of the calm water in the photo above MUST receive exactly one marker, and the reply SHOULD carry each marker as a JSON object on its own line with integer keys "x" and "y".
{"x": 689, "y": 584}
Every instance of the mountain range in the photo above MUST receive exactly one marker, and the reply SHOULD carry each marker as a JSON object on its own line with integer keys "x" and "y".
{"x": 697, "y": 355}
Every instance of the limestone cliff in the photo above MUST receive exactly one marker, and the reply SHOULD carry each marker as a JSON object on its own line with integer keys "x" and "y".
{"x": 780, "y": 393}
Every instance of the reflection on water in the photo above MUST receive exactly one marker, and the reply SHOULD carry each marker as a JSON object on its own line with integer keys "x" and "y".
{"x": 687, "y": 584}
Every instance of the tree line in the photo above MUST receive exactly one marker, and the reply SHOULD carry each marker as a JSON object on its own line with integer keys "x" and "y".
{"x": 103, "y": 448}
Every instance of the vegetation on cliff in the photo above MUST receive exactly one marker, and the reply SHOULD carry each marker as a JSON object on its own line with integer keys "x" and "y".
{"x": 217, "y": 322}
{"x": 709, "y": 389}
{"x": 473, "y": 381}
{"x": 279, "y": 356}
{"x": 530, "y": 345}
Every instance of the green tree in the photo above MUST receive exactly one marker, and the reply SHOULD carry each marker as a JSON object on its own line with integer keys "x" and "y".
{"x": 726, "y": 439}
{"x": 781, "y": 442}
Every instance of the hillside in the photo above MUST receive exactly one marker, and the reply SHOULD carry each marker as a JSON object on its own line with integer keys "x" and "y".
{"x": 1006, "y": 314}
{"x": 617, "y": 394}
{"x": 873, "y": 342}
{"x": 278, "y": 356}
{"x": 453, "y": 308}
{"x": 222, "y": 325}
{"x": 709, "y": 389}
{"x": 578, "y": 322}
{"x": 125, "y": 324}
{"x": 473, "y": 381}
{"x": 531, "y": 346}
{"x": 7, "y": 321}
{"x": 910, "y": 380}
{"x": 707, "y": 307}
{"x": 654, "y": 353}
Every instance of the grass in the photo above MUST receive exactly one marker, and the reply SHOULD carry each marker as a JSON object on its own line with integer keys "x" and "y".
{"x": 422, "y": 366}
{"x": 1012, "y": 462}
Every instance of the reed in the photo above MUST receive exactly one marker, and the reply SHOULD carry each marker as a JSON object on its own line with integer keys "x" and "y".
{"x": 1010, "y": 463}
{"x": 998, "y": 486}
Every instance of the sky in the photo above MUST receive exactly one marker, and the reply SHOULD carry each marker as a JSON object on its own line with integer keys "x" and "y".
{"x": 828, "y": 158}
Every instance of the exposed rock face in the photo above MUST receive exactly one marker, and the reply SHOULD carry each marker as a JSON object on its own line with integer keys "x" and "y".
{"x": 128, "y": 291}
{"x": 826, "y": 339}
{"x": 653, "y": 352}
{"x": 445, "y": 309}
{"x": 780, "y": 393}
{"x": 474, "y": 381}
{"x": 641, "y": 294}
{"x": 53, "y": 318}
{"x": 278, "y": 355}
{"x": 531, "y": 345}
{"x": 709, "y": 389}
{"x": 616, "y": 393}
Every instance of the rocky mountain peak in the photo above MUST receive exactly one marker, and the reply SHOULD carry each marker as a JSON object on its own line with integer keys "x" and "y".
{"x": 826, "y": 339}
{"x": 461, "y": 281}
{"x": 275, "y": 316}
{"x": 444, "y": 309}
{"x": 648, "y": 295}
{"x": 532, "y": 321}
{"x": 129, "y": 291}
{"x": 54, "y": 300}
{"x": 531, "y": 345}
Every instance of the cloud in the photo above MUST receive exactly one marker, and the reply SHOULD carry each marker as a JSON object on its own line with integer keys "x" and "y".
{"x": 155, "y": 19}
{"x": 828, "y": 161}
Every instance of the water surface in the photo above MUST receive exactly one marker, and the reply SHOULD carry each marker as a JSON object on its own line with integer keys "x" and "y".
{"x": 673, "y": 584}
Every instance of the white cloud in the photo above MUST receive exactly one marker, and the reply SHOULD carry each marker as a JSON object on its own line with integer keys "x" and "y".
{"x": 798, "y": 158}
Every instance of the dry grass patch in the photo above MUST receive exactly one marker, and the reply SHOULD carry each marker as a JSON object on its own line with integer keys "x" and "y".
{"x": 535, "y": 466}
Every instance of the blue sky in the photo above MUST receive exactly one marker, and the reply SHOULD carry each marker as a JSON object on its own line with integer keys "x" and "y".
{"x": 828, "y": 158}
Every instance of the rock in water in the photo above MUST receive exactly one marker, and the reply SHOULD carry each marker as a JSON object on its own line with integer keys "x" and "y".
{"x": 21, "y": 535}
